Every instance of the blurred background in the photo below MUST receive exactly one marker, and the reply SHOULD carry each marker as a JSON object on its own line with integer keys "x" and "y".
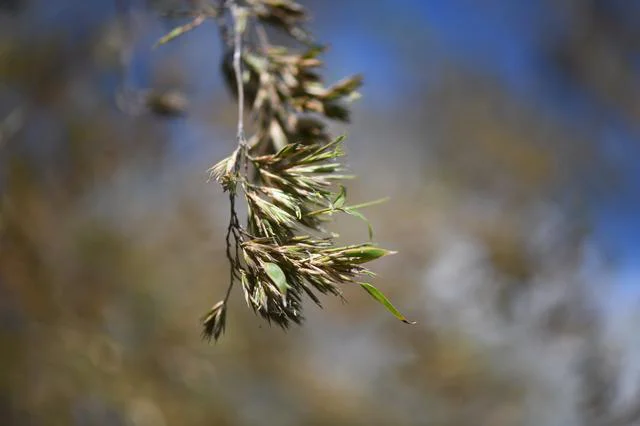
{"x": 507, "y": 133}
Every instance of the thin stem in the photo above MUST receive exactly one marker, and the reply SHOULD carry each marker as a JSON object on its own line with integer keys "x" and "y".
{"x": 234, "y": 224}
{"x": 232, "y": 230}
{"x": 237, "y": 67}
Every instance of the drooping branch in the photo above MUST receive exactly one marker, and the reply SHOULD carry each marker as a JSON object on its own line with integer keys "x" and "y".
{"x": 284, "y": 252}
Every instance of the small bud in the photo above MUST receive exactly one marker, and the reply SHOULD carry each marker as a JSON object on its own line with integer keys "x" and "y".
{"x": 214, "y": 321}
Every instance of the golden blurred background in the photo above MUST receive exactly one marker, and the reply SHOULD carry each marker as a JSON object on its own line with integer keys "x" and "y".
{"x": 505, "y": 132}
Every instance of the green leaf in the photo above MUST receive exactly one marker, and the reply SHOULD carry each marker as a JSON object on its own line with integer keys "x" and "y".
{"x": 377, "y": 294}
{"x": 321, "y": 168}
{"x": 178, "y": 31}
{"x": 314, "y": 51}
{"x": 356, "y": 213}
{"x": 341, "y": 198}
{"x": 324, "y": 152}
{"x": 344, "y": 87}
{"x": 277, "y": 276}
{"x": 369, "y": 203}
{"x": 365, "y": 254}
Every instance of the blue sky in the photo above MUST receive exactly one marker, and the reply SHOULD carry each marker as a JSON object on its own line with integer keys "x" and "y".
{"x": 503, "y": 39}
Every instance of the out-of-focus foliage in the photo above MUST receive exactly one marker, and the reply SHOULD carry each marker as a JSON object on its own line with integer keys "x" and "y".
{"x": 110, "y": 237}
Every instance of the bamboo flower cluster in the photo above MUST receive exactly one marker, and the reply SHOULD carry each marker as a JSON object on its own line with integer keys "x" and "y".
{"x": 288, "y": 172}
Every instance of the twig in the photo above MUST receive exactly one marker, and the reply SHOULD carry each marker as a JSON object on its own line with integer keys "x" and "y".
{"x": 237, "y": 67}
{"x": 234, "y": 228}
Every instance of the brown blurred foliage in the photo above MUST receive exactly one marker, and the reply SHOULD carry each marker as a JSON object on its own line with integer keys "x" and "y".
{"x": 110, "y": 246}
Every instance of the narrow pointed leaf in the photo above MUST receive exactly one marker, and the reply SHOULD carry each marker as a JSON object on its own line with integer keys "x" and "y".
{"x": 356, "y": 213}
{"x": 341, "y": 198}
{"x": 368, "y": 203}
{"x": 382, "y": 299}
{"x": 365, "y": 254}
{"x": 277, "y": 276}
{"x": 178, "y": 31}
